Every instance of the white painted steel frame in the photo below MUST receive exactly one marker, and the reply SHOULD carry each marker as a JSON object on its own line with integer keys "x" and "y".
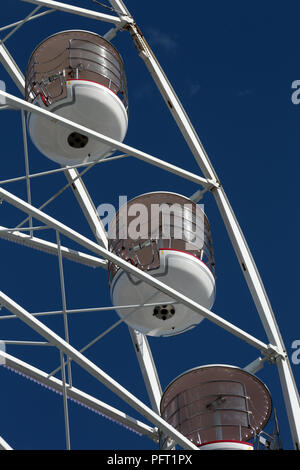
{"x": 82, "y": 196}
{"x": 94, "y": 15}
{"x": 64, "y": 168}
{"x": 242, "y": 251}
{"x": 97, "y": 249}
{"x": 51, "y": 248}
{"x": 25, "y": 20}
{"x": 81, "y": 397}
{"x": 148, "y": 368}
{"x": 249, "y": 269}
{"x": 65, "y": 318}
{"x": 144, "y": 355}
{"x": 18, "y": 78}
{"x": 95, "y": 371}
{"x": 87, "y": 206}
{"x": 22, "y": 104}
{"x": 65, "y": 400}
{"x": 72, "y": 175}
{"x": 12, "y": 68}
{"x": 28, "y": 185}
{"x": 269, "y": 350}
{"x": 150, "y": 375}
{"x": 86, "y": 310}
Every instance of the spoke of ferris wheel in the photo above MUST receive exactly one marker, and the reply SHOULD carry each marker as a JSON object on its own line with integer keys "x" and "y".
{"x": 242, "y": 251}
{"x": 18, "y": 78}
{"x": 85, "y": 201}
{"x": 25, "y": 105}
{"x": 25, "y": 20}
{"x": 96, "y": 371}
{"x": 87, "y": 206}
{"x": 193, "y": 141}
{"x": 110, "y": 256}
{"x": 64, "y": 306}
{"x": 24, "y": 343}
{"x": 12, "y": 68}
{"x": 24, "y": 229}
{"x": 148, "y": 368}
{"x": 139, "y": 340}
{"x": 89, "y": 310}
{"x": 83, "y": 197}
{"x": 147, "y": 365}
{"x": 93, "y": 219}
{"x": 80, "y": 397}
{"x": 25, "y": 144}
{"x": 94, "y": 15}
{"x": 62, "y": 169}
{"x": 108, "y": 36}
{"x": 120, "y": 8}
{"x": 51, "y": 248}
{"x": 201, "y": 157}
{"x": 58, "y": 193}
{"x": 65, "y": 401}
{"x": 100, "y": 336}
{"x": 149, "y": 372}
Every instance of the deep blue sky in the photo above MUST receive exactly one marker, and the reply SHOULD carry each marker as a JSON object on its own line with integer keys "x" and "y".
{"x": 232, "y": 65}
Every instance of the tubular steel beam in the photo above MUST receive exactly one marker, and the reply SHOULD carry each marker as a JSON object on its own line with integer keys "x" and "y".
{"x": 94, "y": 15}
{"x": 22, "y": 104}
{"x": 77, "y": 395}
{"x": 51, "y": 222}
{"x": 52, "y": 248}
{"x": 87, "y": 206}
{"x": 242, "y": 251}
{"x": 95, "y": 371}
{"x": 148, "y": 369}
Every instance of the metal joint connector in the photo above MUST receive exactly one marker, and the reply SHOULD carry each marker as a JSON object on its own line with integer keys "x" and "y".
{"x": 274, "y": 352}
{"x": 137, "y": 37}
{"x": 156, "y": 435}
{"x": 214, "y": 185}
{"x": 127, "y": 20}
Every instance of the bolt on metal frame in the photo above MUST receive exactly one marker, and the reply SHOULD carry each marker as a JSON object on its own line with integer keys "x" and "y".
{"x": 210, "y": 182}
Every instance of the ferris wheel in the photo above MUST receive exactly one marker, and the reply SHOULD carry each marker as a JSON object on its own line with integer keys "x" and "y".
{"x": 154, "y": 261}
